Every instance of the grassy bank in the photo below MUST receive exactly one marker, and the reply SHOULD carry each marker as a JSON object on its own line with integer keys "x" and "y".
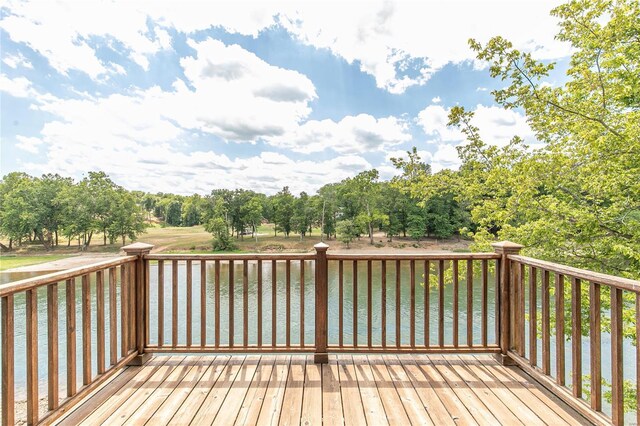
{"x": 196, "y": 240}
{"x": 9, "y": 262}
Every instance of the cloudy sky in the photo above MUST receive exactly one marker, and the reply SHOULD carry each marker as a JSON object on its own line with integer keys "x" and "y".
{"x": 188, "y": 97}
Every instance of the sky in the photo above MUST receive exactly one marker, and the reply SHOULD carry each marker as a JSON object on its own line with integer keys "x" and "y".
{"x": 185, "y": 97}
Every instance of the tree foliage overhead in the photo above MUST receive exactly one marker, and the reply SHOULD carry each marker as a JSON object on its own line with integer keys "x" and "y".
{"x": 575, "y": 199}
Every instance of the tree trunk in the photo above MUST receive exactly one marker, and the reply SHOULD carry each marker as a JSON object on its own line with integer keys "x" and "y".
{"x": 56, "y": 238}
{"x": 10, "y": 243}
{"x": 104, "y": 236}
{"x": 123, "y": 239}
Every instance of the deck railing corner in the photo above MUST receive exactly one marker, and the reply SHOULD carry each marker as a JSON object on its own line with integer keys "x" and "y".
{"x": 504, "y": 249}
{"x": 141, "y": 301}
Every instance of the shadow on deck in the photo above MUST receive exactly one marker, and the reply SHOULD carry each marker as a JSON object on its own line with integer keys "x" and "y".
{"x": 291, "y": 389}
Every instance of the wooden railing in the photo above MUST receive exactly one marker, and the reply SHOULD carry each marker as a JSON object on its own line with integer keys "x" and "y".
{"x": 316, "y": 303}
{"x": 110, "y": 283}
{"x": 536, "y": 285}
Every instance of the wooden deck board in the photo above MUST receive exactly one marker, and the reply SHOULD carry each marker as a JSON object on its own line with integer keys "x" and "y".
{"x": 351, "y": 390}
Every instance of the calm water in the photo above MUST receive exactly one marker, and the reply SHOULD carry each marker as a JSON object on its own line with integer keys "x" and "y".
{"x": 280, "y": 312}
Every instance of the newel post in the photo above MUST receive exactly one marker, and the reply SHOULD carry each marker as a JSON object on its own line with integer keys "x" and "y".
{"x": 322, "y": 294}
{"x": 141, "y": 296}
{"x": 504, "y": 249}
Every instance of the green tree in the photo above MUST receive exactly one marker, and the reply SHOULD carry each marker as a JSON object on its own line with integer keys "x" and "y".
{"x": 127, "y": 219}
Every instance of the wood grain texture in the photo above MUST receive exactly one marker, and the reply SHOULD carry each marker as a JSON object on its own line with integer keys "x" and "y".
{"x": 560, "y": 352}
{"x": 484, "y": 309}
{"x": 398, "y": 304}
{"x": 86, "y": 331}
{"x": 203, "y": 303}
{"x": 113, "y": 318}
{"x": 617, "y": 374}
{"x": 174, "y": 303}
{"x": 441, "y": 303}
{"x": 354, "y": 283}
{"x": 576, "y": 338}
{"x": 100, "y": 324}
{"x": 456, "y": 303}
{"x": 383, "y": 303}
{"x": 533, "y": 316}
{"x": 427, "y": 302}
{"x": 546, "y": 324}
{"x": 7, "y": 324}
{"x": 412, "y": 303}
{"x": 70, "y": 301}
{"x": 189, "y": 303}
{"x": 52, "y": 346}
{"x": 595, "y": 345}
{"x": 32, "y": 356}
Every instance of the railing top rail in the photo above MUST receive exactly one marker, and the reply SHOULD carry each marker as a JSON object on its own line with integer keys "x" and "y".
{"x": 238, "y": 256}
{"x": 42, "y": 280}
{"x": 583, "y": 274}
{"x": 414, "y": 256}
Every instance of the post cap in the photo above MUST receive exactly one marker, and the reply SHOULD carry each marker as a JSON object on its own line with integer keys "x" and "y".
{"x": 137, "y": 248}
{"x": 506, "y": 247}
{"x": 321, "y": 247}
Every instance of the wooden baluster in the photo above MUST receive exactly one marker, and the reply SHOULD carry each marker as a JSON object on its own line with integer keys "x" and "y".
{"x": 86, "y": 331}
{"x": 124, "y": 311}
{"x": 560, "y": 329}
{"x": 288, "y": 303}
{"x": 52, "y": 344}
{"x": 515, "y": 313}
{"x": 302, "y": 303}
{"x": 383, "y": 303}
{"x": 231, "y": 303}
{"x": 617, "y": 374}
{"x": 132, "y": 305}
{"x": 499, "y": 309}
{"x": 32, "y": 356}
{"x": 174, "y": 303}
{"x": 8, "y": 357}
{"x": 427, "y": 304}
{"x": 354, "y": 270}
{"x": 274, "y": 315}
{"x": 100, "y": 320}
{"x": 113, "y": 318}
{"x": 546, "y": 324}
{"x": 441, "y": 303}
{"x": 160, "y": 303}
{"x": 340, "y": 303}
{"x": 469, "y": 302}
{"x": 321, "y": 303}
{"x": 203, "y": 303}
{"x": 533, "y": 317}
{"x": 398, "y": 306}
{"x": 637, "y": 358}
{"x": 189, "y": 297}
{"x": 521, "y": 311}
{"x": 595, "y": 339}
{"x": 259, "y": 316}
{"x": 70, "y": 289}
{"x": 576, "y": 338}
{"x": 216, "y": 302}
{"x": 456, "y": 303}
{"x": 245, "y": 303}
{"x": 369, "y": 303}
{"x": 412, "y": 304}
{"x": 484, "y": 302}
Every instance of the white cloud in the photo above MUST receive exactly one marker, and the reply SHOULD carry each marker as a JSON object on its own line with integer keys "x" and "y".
{"x": 496, "y": 125}
{"x": 28, "y": 144}
{"x": 436, "y": 100}
{"x": 352, "y": 134}
{"x": 15, "y": 61}
{"x": 389, "y": 38}
{"x": 445, "y": 157}
{"x": 61, "y": 31}
{"x": 433, "y": 120}
{"x": 19, "y": 87}
{"x": 401, "y": 43}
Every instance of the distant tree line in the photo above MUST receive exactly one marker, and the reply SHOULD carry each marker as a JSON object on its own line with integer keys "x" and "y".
{"x": 348, "y": 209}
{"x": 46, "y": 208}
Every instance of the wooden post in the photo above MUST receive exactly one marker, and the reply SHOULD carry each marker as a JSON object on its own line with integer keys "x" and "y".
{"x": 505, "y": 248}
{"x": 321, "y": 356}
{"x": 140, "y": 302}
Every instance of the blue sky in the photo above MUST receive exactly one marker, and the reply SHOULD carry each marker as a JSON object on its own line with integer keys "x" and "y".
{"x": 186, "y": 97}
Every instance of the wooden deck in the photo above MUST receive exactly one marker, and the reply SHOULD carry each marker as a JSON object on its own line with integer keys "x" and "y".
{"x": 291, "y": 389}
